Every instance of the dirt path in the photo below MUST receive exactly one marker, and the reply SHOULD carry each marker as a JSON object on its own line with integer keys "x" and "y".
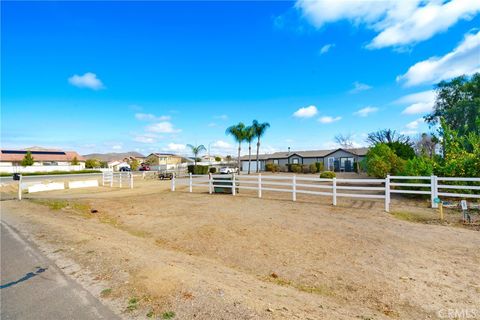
{"x": 219, "y": 257}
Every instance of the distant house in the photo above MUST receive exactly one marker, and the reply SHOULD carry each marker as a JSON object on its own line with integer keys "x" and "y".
{"x": 116, "y": 165}
{"x": 334, "y": 160}
{"x": 165, "y": 160}
{"x": 44, "y": 160}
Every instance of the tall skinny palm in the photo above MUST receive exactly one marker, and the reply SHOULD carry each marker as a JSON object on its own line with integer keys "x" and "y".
{"x": 238, "y": 133}
{"x": 259, "y": 130}
{"x": 196, "y": 151}
{"x": 249, "y": 136}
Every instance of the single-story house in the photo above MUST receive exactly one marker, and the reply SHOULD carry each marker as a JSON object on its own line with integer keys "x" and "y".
{"x": 116, "y": 165}
{"x": 335, "y": 160}
{"x": 43, "y": 160}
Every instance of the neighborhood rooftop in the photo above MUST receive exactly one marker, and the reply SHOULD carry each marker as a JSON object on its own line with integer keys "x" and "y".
{"x": 307, "y": 153}
{"x": 39, "y": 155}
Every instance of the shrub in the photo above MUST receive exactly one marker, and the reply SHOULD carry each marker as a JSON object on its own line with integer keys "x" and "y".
{"x": 27, "y": 160}
{"x": 197, "y": 169}
{"x": 419, "y": 166}
{"x": 212, "y": 170}
{"x": 272, "y": 167}
{"x": 218, "y": 159}
{"x": 381, "y": 161}
{"x": 296, "y": 168}
{"x": 305, "y": 168}
{"x": 319, "y": 166}
{"x": 313, "y": 168}
{"x": 328, "y": 175}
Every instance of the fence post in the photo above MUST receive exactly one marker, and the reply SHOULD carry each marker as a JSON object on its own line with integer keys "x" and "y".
{"x": 294, "y": 188}
{"x": 111, "y": 179}
{"x": 433, "y": 191}
{"x": 103, "y": 179}
{"x": 131, "y": 180}
{"x": 190, "y": 187}
{"x": 233, "y": 184}
{"x": 210, "y": 183}
{"x": 173, "y": 182}
{"x": 121, "y": 174}
{"x": 334, "y": 191}
{"x": 259, "y": 185}
{"x": 387, "y": 193}
{"x": 20, "y": 188}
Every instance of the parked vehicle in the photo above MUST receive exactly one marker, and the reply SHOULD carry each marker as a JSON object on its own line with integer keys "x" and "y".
{"x": 165, "y": 175}
{"x": 227, "y": 170}
{"x": 125, "y": 169}
{"x": 144, "y": 167}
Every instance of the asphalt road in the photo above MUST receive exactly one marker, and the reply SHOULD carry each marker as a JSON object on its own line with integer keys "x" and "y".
{"x": 32, "y": 287}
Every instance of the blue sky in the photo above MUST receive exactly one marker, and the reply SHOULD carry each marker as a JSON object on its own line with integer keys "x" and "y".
{"x": 154, "y": 76}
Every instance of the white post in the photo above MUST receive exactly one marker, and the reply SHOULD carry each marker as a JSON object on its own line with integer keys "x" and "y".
{"x": 259, "y": 185}
{"x": 121, "y": 174}
{"x": 433, "y": 191}
{"x": 190, "y": 183}
{"x": 233, "y": 184}
{"x": 103, "y": 179}
{"x": 143, "y": 175}
{"x": 173, "y": 182}
{"x": 131, "y": 180}
{"x": 334, "y": 191}
{"x": 20, "y": 188}
{"x": 387, "y": 193}
{"x": 111, "y": 179}
{"x": 294, "y": 188}
{"x": 210, "y": 183}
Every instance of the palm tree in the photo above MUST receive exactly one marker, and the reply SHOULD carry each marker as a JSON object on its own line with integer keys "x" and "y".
{"x": 249, "y": 136}
{"x": 196, "y": 151}
{"x": 238, "y": 133}
{"x": 259, "y": 130}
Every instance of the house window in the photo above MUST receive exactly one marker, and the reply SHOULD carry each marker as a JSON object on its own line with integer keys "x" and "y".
{"x": 275, "y": 161}
{"x": 295, "y": 160}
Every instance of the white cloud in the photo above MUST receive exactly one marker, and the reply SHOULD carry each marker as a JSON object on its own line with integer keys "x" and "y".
{"x": 327, "y": 48}
{"x": 328, "y": 119}
{"x": 364, "y": 112}
{"x": 176, "y": 147}
{"x": 117, "y": 147}
{"x": 222, "y": 117}
{"x": 464, "y": 59}
{"x": 418, "y": 103}
{"x": 162, "y": 127}
{"x": 397, "y": 23}
{"x": 306, "y": 112}
{"x": 220, "y": 144}
{"x": 150, "y": 117}
{"x": 359, "y": 87}
{"x": 88, "y": 80}
{"x": 409, "y": 132}
{"x": 212, "y": 125}
{"x": 414, "y": 124}
{"x": 146, "y": 138}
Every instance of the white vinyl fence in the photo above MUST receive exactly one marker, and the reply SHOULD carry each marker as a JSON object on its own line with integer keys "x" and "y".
{"x": 117, "y": 179}
{"x": 334, "y": 188}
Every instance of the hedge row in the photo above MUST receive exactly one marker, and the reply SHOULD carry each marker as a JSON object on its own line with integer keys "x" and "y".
{"x": 197, "y": 169}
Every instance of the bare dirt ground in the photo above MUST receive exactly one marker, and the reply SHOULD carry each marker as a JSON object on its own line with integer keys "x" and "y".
{"x": 198, "y": 256}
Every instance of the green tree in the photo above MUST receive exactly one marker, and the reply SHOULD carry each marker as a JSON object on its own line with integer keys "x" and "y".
{"x": 238, "y": 133}
{"x": 218, "y": 159}
{"x": 75, "y": 161}
{"x": 457, "y": 103}
{"x": 259, "y": 130}
{"x": 92, "y": 163}
{"x": 249, "y": 135}
{"x": 27, "y": 160}
{"x": 400, "y": 144}
{"x": 196, "y": 151}
{"x": 381, "y": 161}
{"x": 134, "y": 164}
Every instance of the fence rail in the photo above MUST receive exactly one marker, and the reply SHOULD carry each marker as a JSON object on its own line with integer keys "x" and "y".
{"x": 333, "y": 187}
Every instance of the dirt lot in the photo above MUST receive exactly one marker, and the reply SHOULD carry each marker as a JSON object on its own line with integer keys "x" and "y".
{"x": 199, "y": 256}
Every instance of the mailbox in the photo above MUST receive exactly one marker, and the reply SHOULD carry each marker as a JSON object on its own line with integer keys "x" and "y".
{"x": 16, "y": 176}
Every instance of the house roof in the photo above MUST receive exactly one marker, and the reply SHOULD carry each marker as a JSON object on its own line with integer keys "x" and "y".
{"x": 307, "y": 153}
{"x": 39, "y": 154}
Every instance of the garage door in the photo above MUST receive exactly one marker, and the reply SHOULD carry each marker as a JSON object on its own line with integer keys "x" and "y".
{"x": 253, "y": 166}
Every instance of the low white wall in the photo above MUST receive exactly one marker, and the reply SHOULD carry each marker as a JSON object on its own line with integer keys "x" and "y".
{"x": 46, "y": 187}
{"x": 19, "y": 169}
{"x": 82, "y": 184}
